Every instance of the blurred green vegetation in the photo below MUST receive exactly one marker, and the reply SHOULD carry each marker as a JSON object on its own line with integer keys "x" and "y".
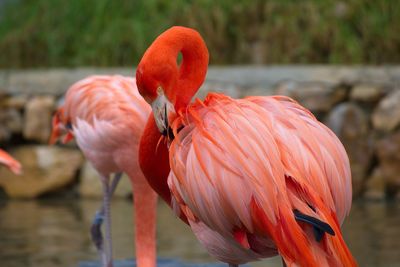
{"x": 48, "y": 33}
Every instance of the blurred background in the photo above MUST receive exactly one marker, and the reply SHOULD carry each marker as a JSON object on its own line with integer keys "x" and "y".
{"x": 73, "y": 33}
{"x": 340, "y": 59}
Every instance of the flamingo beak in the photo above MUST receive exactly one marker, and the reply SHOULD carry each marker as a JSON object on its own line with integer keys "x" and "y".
{"x": 162, "y": 108}
{"x": 68, "y": 137}
{"x": 55, "y": 132}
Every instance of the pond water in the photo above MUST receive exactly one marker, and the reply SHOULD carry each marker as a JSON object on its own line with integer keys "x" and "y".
{"x": 54, "y": 232}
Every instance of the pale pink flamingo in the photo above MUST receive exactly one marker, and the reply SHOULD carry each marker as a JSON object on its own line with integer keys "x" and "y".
{"x": 11, "y": 163}
{"x": 107, "y": 115}
{"x": 253, "y": 177}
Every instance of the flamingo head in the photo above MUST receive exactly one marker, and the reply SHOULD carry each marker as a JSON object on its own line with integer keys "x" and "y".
{"x": 168, "y": 86}
{"x": 155, "y": 85}
{"x": 61, "y": 126}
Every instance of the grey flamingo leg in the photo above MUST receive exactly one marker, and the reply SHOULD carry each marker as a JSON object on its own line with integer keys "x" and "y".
{"x": 107, "y": 222}
{"x": 95, "y": 229}
{"x": 98, "y": 219}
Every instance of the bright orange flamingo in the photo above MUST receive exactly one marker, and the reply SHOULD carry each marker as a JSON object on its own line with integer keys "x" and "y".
{"x": 107, "y": 115}
{"x": 8, "y": 161}
{"x": 253, "y": 177}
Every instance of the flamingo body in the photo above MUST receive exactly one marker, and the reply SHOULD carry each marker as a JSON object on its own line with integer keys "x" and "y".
{"x": 232, "y": 154}
{"x": 253, "y": 177}
{"x": 107, "y": 115}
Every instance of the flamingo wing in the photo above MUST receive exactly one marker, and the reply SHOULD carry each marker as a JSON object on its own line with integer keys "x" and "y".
{"x": 232, "y": 170}
{"x": 312, "y": 151}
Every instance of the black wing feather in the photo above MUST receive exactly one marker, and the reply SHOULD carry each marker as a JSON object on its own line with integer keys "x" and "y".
{"x": 319, "y": 227}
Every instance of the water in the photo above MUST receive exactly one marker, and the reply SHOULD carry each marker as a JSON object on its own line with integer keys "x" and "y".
{"x": 53, "y": 233}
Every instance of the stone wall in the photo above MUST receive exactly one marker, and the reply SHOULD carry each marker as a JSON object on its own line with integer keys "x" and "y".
{"x": 360, "y": 104}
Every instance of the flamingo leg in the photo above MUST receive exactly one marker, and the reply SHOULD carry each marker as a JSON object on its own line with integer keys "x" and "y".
{"x": 145, "y": 202}
{"x": 115, "y": 181}
{"x": 98, "y": 219}
{"x": 95, "y": 229}
{"x": 233, "y": 265}
{"x": 107, "y": 259}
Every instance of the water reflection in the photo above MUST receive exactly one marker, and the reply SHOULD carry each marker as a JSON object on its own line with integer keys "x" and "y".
{"x": 373, "y": 233}
{"x": 52, "y": 233}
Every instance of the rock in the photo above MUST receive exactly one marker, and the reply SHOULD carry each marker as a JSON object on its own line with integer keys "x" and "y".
{"x": 350, "y": 124}
{"x": 375, "y": 187}
{"x": 38, "y": 114}
{"x": 90, "y": 184}
{"x": 367, "y": 93}
{"x": 257, "y": 91}
{"x": 316, "y": 96}
{"x": 386, "y": 117}
{"x": 45, "y": 169}
{"x": 387, "y": 150}
{"x": 56, "y": 81}
{"x": 5, "y": 134}
{"x": 53, "y": 81}
{"x": 15, "y": 102}
{"x": 11, "y": 120}
{"x": 229, "y": 89}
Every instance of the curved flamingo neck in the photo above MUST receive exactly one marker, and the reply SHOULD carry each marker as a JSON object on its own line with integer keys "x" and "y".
{"x": 159, "y": 67}
{"x": 193, "y": 69}
{"x": 154, "y": 162}
{"x": 185, "y": 79}
{"x": 154, "y": 159}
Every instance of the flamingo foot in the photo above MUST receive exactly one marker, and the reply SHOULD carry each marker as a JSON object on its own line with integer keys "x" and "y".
{"x": 95, "y": 230}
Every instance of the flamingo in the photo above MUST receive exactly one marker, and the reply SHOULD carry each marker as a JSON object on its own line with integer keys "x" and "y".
{"x": 11, "y": 163}
{"x": 253, "y": 177}
{"x": 107, "y": 115}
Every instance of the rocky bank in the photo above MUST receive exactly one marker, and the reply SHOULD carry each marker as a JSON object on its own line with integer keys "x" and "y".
{"x": 360, "y": 104}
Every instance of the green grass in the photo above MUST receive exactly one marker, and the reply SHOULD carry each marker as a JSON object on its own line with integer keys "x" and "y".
{"x": 49, "y": 33}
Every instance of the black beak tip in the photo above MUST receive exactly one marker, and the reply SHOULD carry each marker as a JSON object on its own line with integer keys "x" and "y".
{"x": 168, "y": 133}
